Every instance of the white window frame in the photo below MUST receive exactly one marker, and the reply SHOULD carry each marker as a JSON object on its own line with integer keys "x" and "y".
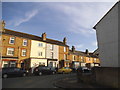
{"x": 64, "y": 49}
{"x": 40, "y": 44}
{"x": 51, "y": 55}
{"x": 65, "y": 57}
{"x": 5, "y": 62}
{"x": 89, "y": 59}
{"x": 81, "y": 58}
{"x": 12, "y": 38}
{"x": 13, "y": 63}
{"x": 95, "y": 60}
{"x": 73, "y": 57}
{"x": 40, "y": 53}
{"x": 51, "y": 47}
{"x": 25, "y": 40}
{"x": 24, "y": 51}
{"x": 12, "y": 50}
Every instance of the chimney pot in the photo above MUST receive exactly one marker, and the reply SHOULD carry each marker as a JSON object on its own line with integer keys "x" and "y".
{"x": 73, "y": 49}
{"x": 65, "y": 40}
{"x": 87, "y": 52}
{"x": 44, "y": 36}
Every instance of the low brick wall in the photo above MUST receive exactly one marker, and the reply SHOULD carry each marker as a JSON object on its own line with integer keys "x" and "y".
{"x": 103, "y": 76}
{"x": 107, "y": 76}
{"x": 88, "y": 78}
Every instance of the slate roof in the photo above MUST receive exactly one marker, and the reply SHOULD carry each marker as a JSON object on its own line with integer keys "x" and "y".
{"x": 33, "y": 37}
{"x": 83, "y": 54}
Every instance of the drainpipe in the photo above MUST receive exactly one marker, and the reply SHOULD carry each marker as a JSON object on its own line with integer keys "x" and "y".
{"x": 18, "y": 65}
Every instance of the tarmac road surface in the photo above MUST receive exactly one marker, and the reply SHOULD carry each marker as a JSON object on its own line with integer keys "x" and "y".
{"x": 45, "y": 81}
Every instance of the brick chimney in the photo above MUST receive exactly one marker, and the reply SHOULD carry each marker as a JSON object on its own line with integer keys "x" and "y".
{"x": 44, "y": 36}
{"x": 87, "y": 52}
{"x": 65, "y": 40}
{"x": 73, "y": 49}
{"x": 2, "y": 25}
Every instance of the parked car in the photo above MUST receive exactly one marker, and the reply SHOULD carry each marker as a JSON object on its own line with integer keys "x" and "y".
{"x": 13, "y": 71}
{"x": 64, "y": 70}
{"x": 40, "y": 70}
{"x": 83, "y": 70}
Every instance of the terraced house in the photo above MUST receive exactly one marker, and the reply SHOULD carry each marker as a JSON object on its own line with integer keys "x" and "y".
{"x": 63, "y": 54}
{"x": 77, "y": 58}
{"x": 27, "y": 51}
{"x": 80, "y": 59}
{"x": 15, "y": 47}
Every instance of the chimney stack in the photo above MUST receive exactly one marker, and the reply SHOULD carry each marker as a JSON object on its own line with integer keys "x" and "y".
{"x": 65, "y": 40}
{"x": 87, "y": 52}
{"x": 2, "y": 25}
{"x": 44, "y": 36}
{"x": 73, "y": 49}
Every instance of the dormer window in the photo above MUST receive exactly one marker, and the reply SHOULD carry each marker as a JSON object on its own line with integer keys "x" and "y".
{"x": 24, "y": 42}
{"x": 12, "y": 40}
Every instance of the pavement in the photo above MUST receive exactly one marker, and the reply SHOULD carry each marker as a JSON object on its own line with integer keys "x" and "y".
{"x": 72, "y": 82}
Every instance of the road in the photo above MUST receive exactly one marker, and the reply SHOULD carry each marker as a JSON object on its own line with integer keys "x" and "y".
{"x": 45, "y": 81}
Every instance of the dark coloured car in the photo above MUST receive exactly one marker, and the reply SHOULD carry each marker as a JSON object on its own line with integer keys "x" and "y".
{"x": 83, "y": 70}
{"x": 44, "y": 70}
{"x": 13, "y": 71}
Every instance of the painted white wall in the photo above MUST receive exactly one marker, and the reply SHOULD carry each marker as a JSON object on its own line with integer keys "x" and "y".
{"x": 35, "y": 49}
{"x": 54, "y": 63}
{"x": 35, "y": 62}
{"x": 55, "y": 51}
{"x": 107, "y": 36}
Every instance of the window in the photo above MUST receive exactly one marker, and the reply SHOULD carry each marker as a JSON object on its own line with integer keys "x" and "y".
{"x": 51, "y": 55}
{"x": 6, "y": 63}
{"x": 12, "y": 64}
{"x": 51, "y": 47}
{"x": 40, "y": 44}
{"x": 88, "y": 59}
{"x": 65, "y": 57}
{"x": 73, "y": 57}
{"x": 12, "y": 40}
{"x": 24, "y": 42}
{"x": 94, "y": 59}
{"x": 40, "y": 53}
{"x": 64, "y": 49}
{"x": 24, "y": 52}
{"x": 81, "y": 57}
{"x": 10, "y": 51}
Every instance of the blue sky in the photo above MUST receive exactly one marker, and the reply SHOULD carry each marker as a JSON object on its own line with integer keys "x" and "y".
{"x": 73, "y": 20}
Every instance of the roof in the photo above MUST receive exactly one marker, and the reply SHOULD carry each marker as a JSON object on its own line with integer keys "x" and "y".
{"x": 32, "y": 37}
{"x": 96, "y": 51}
{"x": 77, "y": 53}
{"x": 105, "y": 15}
{"x": 83, "y": 54}
{"x": 92, "y": 55}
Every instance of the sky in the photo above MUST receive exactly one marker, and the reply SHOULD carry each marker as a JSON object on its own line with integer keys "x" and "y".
{"x": 73, "y": 20}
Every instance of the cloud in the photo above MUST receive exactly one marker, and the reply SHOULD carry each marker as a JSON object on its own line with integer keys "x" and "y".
{"x": 81, "y": 17}
{"x": 94, "y": 43}
{"x": 79, "y": 46}
{"x": 27, "y": 16}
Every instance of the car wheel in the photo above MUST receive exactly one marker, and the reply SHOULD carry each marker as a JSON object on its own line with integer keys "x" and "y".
{"x": 53, "y": 72}
{"x": 5, "y": 75}
{"x": 24, "y": 74}
{"x": 40, "y": 73}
